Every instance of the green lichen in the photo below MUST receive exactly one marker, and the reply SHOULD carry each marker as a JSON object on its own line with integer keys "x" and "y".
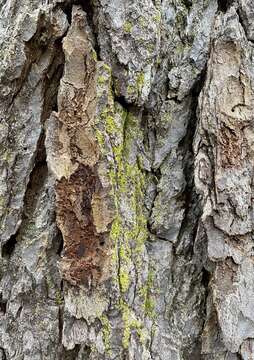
{"x": 158, "y": 61}
{"x": 149, "y": 308}
{"x": 59, "y": 298}
{"x": 106, "y": 331}
{"x": 124, "y": 279}
{"x": 128, "y": 180}
{"x": 142, "y": 22}
{"x": 157, "y": 17}
{"x": 150, "y": 47}
{"x": 127, "y": 26}
{"x": 115, "y": 229}
{"x": 131, "y": 90}
{"x": 137, "y": 88}
{"x": 107, "y": 68}
{"x": 166, "y": 120}
{"x": 49, "y": 281}
{"x": 134, "y": 185}
{"x": 7, "y": 156}
{"x": 101, "y": 80}
{"x": 125, "y": 263}
{"x": 140, "y": 82}
{"x": 127, "y": 329}
{"x": 130, "y": 323}
{"x": 146, "y": 293}
{"x": 3, "y": 202}
{"x": 157, "y": 4}
{"x": 94, "y": 55}
{"x": 110, "y": 124}
{"x": 100, "y": 138}
{"x": 117, "y": 135}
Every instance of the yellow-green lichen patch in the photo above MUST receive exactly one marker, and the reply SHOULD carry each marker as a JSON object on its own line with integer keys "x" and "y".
{"x": 7, "y": 156}
{"x": 94, "y": 55}
{"x": 106, "y": 331}
{"x": 124, "y": 278}
{"x": 59, "y": 297}
{"x": 129, "y": 183}
{"x": 107, "y": 68}
{"x": 136, "y": 233}
{"x": 140, "y": 82}
{"x": 131, "y": 90}
{"x": 127, "y": 27}
{"x": 101, "y": 80}
{"x": 135, "y": 89}
{"x": 146, "y": 294}
{"x": 150, "y": 47}
{"x": 125, "y": 263}
{"x": 130, "y": 323}
{"x": 142, "y": 22}
{"x": 157, "y": 4}
{"x": 118, "y": 135}
{"x": 157, "y": 17}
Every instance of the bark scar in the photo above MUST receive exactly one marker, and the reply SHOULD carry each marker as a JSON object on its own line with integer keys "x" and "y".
{"x": 83, "y": 204}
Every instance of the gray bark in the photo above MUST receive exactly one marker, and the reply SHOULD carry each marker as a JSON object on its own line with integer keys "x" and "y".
{"x": 126, "y": 157}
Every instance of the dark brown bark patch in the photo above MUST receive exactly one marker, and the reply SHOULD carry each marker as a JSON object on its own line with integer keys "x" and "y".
{"x": 83, "y": 246}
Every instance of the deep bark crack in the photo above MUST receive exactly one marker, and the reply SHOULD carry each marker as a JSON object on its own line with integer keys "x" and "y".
{"x": 224, "y": 5}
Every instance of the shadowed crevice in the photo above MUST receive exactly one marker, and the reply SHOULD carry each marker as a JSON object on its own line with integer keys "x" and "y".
{"x": 90, "y": 11}
{"x": 2, "y": 353}
{"x": 224, "y": 5}
{"x": 9, "y": 246}
{"x": 75, "y": 353}
{"x": 3, "y": 305}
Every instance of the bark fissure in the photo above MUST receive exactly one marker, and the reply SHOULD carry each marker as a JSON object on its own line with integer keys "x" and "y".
{"x": 224, "y": 5}
{"x": 9, "y": 246}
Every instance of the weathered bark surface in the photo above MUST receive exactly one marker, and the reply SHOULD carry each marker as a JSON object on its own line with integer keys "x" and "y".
{"x": 126, "y": 184}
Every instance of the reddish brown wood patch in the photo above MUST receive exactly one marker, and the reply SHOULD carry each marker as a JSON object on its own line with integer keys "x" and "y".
{"x": 84, "y": 248}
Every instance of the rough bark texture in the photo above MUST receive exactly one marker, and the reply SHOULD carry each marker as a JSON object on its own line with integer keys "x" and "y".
{"x": 126, "y": 183}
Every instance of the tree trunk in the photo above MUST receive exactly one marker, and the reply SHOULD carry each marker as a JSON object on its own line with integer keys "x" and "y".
{"x": 127, "y": 147}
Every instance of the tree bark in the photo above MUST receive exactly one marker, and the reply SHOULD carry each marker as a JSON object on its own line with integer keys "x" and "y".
{"x": 126, "y": 157}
